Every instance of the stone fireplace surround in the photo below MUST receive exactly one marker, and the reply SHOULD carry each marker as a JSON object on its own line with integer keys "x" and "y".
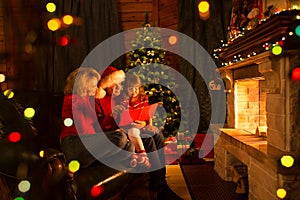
{"x": 281, "y": 98}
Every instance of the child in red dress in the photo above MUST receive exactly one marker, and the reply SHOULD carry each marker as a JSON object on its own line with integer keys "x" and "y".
{"x": 135, "y": 98}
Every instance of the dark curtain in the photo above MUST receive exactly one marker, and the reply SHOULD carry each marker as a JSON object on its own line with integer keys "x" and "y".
{"x": 53, "y": 63}
{"x": 99, "y": 21}
{"x": 208, "y": 33}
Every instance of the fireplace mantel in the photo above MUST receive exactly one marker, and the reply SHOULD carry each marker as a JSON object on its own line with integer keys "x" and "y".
{"x": 270, "y": 31}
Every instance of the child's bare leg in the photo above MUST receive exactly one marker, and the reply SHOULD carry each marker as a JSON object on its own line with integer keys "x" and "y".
{"x": 134, "y": 136}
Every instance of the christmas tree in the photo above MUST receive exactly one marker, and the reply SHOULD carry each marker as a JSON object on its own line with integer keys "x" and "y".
{"x": 153, "y": 71}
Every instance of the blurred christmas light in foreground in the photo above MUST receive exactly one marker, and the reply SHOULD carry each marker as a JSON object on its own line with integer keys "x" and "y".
{"x": 18, "y": 198}
{"x": 297, "y": 30}
{"x": 67, "y": 19}
{"x": 54, "y": 24}
{"x": 281, "y": 193}
{"x": 296, "y": 74}
{"x": 14, "y": 137}
{"x": 29, "y": 113}
{"x": 50, "y": 7}
{"x": 276, "y": 50}
{"x": 287, "y": 161}
{"x": 172, "y": 39}
{"x": 68, "y": 122}
{"x": 9, "y": 93}
{"x": 42, "y": 153}
{"x": 97, "y": 190}
{"x": 2, "y": 78}
{"x": 203, "y": 6}
{"x": 24, "y": 186}
{"x": 74, "y": 166}
{"x": 63, "y": 41}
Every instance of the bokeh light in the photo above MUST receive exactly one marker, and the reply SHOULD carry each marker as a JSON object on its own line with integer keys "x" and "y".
{"x": 172, "y": 39}
{"x": 97, "y": 190}
{"x": 50, "y": 7}
{"x": 277, "y": 50}
{"x": 68, "y": 122}
{"x": 297, "y": 30}
{"x": 63, "y": 41}
{"x": 281, "y": 193}
{"x": 18, "y": 198}
{"x": 28, "y": 48}
{"x": 287, "y": 161}
{"x": 14, "y": 136}
{"x": 29, "y": 113}
{"x": 24, "y": 186}
{"x": 54, "y": 24}
{"x": 9, "y": 93}
{"x": 296, "y": 74}
{"x": 42, "y": 153}
{"x": 67, "y": 19}
{"x": 2, "y": 78}
{"x": 203, "y": 6}
{"x": 74, "y": 166}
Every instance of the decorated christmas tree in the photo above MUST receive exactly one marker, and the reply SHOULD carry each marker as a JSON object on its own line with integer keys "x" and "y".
{"x": 153, "y": 70}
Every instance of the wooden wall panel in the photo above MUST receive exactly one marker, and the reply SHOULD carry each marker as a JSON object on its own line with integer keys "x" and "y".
{"x": 162, "y": 13}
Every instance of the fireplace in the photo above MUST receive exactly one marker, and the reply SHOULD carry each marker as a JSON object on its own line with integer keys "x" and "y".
{"x": 250, "y": 105}
{"x": 263, "y": 112}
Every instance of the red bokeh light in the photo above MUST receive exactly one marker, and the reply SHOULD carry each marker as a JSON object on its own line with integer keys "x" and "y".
{"x": 97, "y": 190}
{"x": 63, "y": 41}
{"x": 296, "y": 74}
{"x": 14, "y": 137}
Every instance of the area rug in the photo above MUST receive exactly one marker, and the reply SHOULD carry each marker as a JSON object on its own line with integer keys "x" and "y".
{"x": 204, "y": 183}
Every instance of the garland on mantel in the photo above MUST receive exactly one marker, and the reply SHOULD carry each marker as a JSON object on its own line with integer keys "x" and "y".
{"x": 275, "y": 45}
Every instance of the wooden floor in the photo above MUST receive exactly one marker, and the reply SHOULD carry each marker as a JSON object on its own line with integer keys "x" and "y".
{"x": 140, "y": 188}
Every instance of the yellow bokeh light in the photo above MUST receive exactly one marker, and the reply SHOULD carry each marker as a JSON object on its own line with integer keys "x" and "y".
{"x": 9, "y": 93}
{"x": 277, "y": 50}
{"x": 74, "y": 166}
{"x": 281, "y": 193}
{"x": 287, "y": 161}
{"x": 51, "y": 7}
{"x": 29, "y": 113}
{"x": 2, "y": 78}
{"x": 68, "y": 19}
{"x": 24, "y": 186}
{"x": 42, "y": 153}
{"x": 54, "y": 24}
{"x": 172, "y": 39}
{"x": 203, "y": 6}
{"x": 68, "y": 122}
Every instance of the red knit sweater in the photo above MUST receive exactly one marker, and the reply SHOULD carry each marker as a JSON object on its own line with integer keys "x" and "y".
{"x": 82, "y": 113}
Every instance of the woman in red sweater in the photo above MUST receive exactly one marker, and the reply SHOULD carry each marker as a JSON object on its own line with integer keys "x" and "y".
{"x": 82, "y": 138}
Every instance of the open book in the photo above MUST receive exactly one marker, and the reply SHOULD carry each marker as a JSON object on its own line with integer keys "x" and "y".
{"x": 142, "y": 114}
